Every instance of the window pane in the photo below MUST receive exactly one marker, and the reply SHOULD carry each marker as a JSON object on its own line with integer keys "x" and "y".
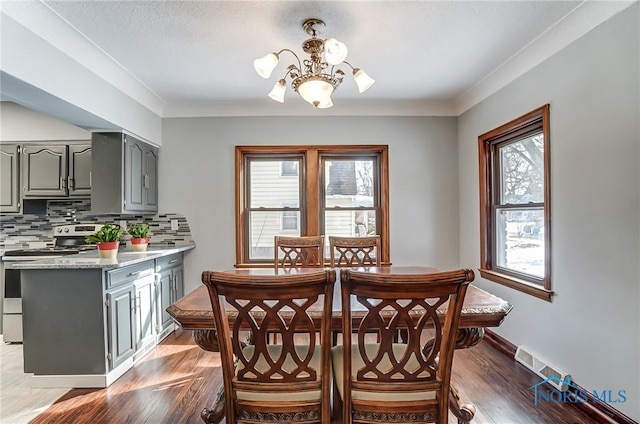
{"x": 522, "y": 171}
{"x": 268, "y": 186}
{"x": 349, "y": 183}
{"x": 520, "y": 240}
{"x": 350, "y": 223}
{"x": 263, "y": 227}
{"x": 289, "y": 168}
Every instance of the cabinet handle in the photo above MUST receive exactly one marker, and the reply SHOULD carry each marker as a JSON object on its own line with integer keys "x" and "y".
{"x": 90, "y": 179}
{"x": 63, "y": 182}
{"x": 146, "y": 181}
{"x": 131, "y": 274}
{"x": 173, "y": 261}
{"x": 70, "y": 182}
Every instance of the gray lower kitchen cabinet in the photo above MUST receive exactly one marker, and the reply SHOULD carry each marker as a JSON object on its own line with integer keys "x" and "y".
{"x": 170, "y": 288}
{"x": 93, "y": 326}
{"x": 125, "y": 174}
{"x": 145, "y": 313}
{"x": 55, "y": 170}
{"x": 130, "y": 330}
{"x": 121, "y": 325}
{"x": 9, "y": 178}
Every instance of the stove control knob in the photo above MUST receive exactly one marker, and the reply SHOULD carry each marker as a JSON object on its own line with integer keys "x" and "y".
{"x": 66, "y": 230}
{"x": 59, "y": 230}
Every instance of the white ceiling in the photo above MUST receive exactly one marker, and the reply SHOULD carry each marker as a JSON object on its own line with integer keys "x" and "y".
{"x": 427, "y": 57}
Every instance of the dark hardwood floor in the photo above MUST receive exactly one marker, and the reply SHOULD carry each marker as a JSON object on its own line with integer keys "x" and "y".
{"x": 176, "y": 381}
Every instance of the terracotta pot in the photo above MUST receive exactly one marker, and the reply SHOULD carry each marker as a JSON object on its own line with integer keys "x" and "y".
{"x": 139, "y": 244}
{"x": 108, "y": 249}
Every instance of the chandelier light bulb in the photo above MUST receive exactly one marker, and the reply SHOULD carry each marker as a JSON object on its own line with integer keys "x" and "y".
{"x": 327, "y": 104}
{"x": 335, "y": 52}
{"x": 363, "y": 80}
{"x": 265, "y": 65}
{"x": 317, "y": 92}
{"x": 277, "y": 92}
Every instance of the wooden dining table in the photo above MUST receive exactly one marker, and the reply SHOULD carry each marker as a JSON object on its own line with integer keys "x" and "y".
{"x": 480, "y": 310}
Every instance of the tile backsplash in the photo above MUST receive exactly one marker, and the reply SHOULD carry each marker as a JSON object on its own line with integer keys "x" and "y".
{"x": 18, "y": 231}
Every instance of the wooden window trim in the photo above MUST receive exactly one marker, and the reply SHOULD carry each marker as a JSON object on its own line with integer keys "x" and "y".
{"x": 310, "y": 171}
{"x": 540, "y": 288}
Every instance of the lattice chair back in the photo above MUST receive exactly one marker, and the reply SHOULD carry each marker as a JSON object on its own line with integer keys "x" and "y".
{"x": 299, "y": 252}
{"x": 383, "y": 381}
{"x": 354, "y": 251}
{"x": 286, "y": 382}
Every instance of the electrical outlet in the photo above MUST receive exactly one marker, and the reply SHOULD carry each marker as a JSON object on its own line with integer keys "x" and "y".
{"x": 174, "y": 224}
{"x": 123, "y": 225}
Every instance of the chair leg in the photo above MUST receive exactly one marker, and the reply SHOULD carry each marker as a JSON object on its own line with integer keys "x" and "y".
{"x": 465, "y": 412}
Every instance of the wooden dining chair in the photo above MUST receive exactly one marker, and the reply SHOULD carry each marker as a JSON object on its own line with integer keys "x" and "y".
{"x": 400, "y": 382}
{"x": 276, "y": 383}
{"x": 354, "y": 251}
{"x": 299, "y": 252}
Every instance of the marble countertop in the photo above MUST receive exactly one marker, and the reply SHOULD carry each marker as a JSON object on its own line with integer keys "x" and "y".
{"x": 91, "y": 259}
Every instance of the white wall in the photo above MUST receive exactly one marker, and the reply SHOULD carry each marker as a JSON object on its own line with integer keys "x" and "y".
{"x": 197, "y": 179}
{"x": 592, "y": 327}
{"x": 18, "y": 123}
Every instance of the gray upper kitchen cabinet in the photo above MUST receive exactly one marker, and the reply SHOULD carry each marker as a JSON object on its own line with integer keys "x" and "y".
{"x": 125, "y": 174}
{"x": 44, "y": 170}
{"x": 9, "y": 178}
{"x": 55, "y": 170}
{"x": 79, "y": 181}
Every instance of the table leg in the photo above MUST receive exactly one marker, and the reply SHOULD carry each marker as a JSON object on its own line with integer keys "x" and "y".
{"x": 216, "y": 413}
{"x": 207, "y": 339}
{"x": 468, "y": 337}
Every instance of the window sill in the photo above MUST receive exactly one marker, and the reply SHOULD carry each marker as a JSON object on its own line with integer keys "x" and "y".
{"x": 517, "y": 284}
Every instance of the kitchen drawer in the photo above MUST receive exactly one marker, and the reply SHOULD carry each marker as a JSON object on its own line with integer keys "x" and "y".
{"x": 129, "y": 274}
{"x": 167, "y": 262}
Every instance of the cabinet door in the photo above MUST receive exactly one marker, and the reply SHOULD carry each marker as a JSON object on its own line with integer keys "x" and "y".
{"x": 144, "y": 312}
{"x": 151, "y": 178}
{"x": 134, "y": 180}
{"x": 121, "y": 324}
{"x": 9, "y": 183}
{"x": 178, "y": 284}
{"x": 44, "y": 170}
{"x": 79, "y": 170}
{"x": 164, "y": 299}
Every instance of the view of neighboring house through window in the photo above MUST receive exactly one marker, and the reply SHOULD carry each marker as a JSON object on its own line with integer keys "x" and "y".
{"x": 315, "y": 190}
{"x": 350, "y": 197}
{"x": 514, "y": 196}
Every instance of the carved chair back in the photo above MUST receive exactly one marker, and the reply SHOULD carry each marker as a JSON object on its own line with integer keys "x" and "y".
{"x": 273, "y": 382}
{"x": 299, "y": 252}
{"x": 354, "y": 251}
{"x": 385, "y": 381}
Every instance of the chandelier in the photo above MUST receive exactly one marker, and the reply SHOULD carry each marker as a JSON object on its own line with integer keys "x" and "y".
{"x": 319, "y": 77}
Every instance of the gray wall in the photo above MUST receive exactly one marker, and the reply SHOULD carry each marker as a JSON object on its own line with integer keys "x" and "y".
{"x": 592, "y": 327}
{"x": 197, "y": 179}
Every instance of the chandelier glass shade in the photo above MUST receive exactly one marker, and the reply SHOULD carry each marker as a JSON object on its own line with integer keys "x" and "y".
{"x": 315, "y": 78}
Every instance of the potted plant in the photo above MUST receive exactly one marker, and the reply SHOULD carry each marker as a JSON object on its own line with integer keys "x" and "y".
{"x": 139, "y": 237}
{"x": 108, "y": 239}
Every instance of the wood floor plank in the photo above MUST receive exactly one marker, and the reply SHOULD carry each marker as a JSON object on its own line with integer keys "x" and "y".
{"x": 178, "y": 379}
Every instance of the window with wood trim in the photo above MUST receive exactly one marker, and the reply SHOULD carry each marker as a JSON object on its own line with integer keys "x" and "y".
{"x": 515, "y": 231}
{"x": 334, "y": 191}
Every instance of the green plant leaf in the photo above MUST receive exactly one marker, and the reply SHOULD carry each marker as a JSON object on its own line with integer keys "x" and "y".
{"x": 108, "y": 232}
